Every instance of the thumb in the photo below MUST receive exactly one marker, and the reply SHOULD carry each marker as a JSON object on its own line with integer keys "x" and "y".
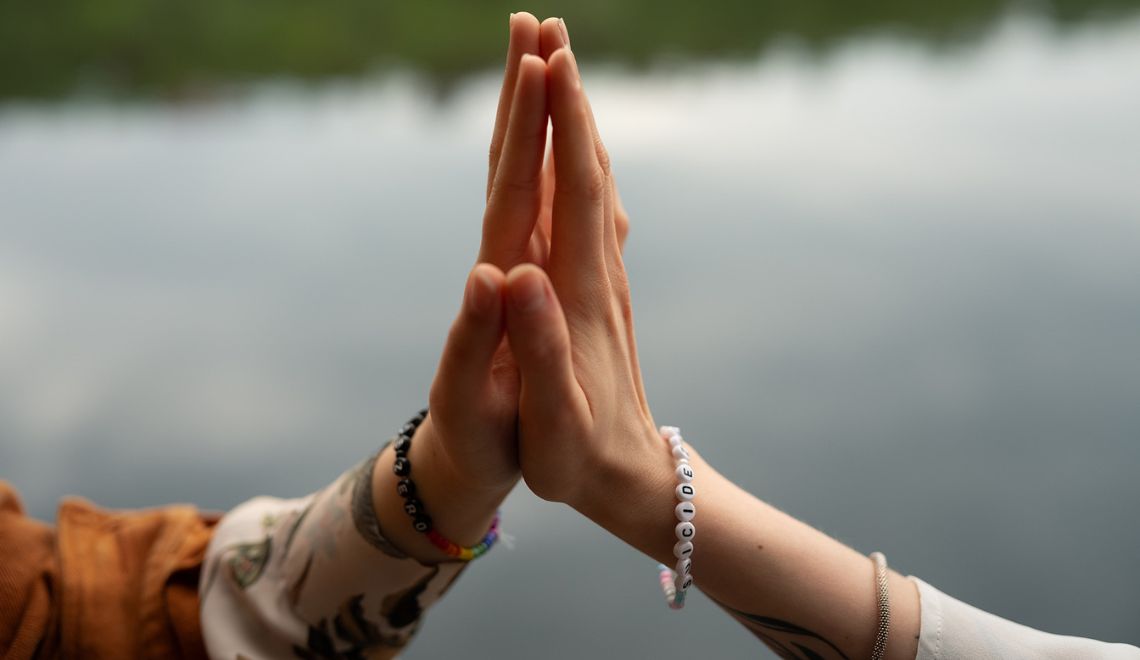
{"x": 471, "y": 344}
{"x": 540, "y": 342}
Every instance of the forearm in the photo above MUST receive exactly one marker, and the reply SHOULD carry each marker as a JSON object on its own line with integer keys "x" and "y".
{"x": 461, "y": 509}
{"x": 302, "y": 576}
{"x": 787, "y": 582}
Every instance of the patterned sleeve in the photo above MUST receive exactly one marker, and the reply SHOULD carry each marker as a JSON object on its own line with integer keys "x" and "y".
{"x": 313, "y": 578}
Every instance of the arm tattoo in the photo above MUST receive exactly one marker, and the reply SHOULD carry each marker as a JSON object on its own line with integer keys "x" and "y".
{"x": 786, "y": 639}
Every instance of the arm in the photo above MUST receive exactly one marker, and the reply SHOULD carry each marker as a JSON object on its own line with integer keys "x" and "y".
{"x": 794, "y": 587}
{"x": 343, "y": 571}
{"x": 587, "y": 436}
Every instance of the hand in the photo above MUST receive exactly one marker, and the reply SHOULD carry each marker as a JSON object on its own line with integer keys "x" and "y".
{"x": 582, "y": 410}
{"x": 474, "y": 399}
{"x": 464, "y": 456}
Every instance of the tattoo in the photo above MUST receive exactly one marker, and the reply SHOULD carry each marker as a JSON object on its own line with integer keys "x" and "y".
{"x": 786, "y": 639}
{"x": 363, "y": 511}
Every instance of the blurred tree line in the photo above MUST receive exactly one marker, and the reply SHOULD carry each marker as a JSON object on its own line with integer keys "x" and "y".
{"x": 171, "y": 48}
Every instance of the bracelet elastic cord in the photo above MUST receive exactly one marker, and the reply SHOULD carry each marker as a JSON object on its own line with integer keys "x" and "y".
{"x": 675, "y": 582}
{"x": 883, "y": 597}
{"x": 421, "y": 521}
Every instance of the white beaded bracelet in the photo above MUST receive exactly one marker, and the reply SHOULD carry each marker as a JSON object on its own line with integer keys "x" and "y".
{"x": 674, "y": 582}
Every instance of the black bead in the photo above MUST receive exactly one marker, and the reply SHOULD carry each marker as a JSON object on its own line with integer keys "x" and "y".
{"x": 402, "y": 444}
{"x": 408, "y": 430}
{"x": 402, "y": 467}
{"x": 422, "y": 523}
{"x": 412, "y": 507}
{"x": 405, "y": 487}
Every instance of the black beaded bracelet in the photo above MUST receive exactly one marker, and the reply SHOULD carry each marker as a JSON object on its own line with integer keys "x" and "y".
{"x": 402, "y": 467}
{"x": 406, "y": 488}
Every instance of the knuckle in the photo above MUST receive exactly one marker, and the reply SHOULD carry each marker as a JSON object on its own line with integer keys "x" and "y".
{"x": 593, "y": 187}
{"x": 620, "y": 286}
{"x": 603, "y": 156}
{"x": 621, "y": 223}
{"x": 589, "y": 187}
{"x": 505, "y": 186}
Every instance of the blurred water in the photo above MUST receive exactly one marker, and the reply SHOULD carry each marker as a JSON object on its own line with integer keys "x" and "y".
{"x": 896, "y": 294}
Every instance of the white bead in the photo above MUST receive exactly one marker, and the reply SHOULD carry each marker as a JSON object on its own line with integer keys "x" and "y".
{"x": 685, "y": 492}
{"x": 685, "y": 531}
{"x": 682, "y": 583}
{"x": 675, "y": 441}
{"x": 685, "y": 511}
{"x": 682, "y": 549}
{"x": 684, "y": 473}
{"x": 682, "y": 461}
{"x": 668, "y": 431}
{"x": 680, "y": 452}
{"x": 683, "y": 566}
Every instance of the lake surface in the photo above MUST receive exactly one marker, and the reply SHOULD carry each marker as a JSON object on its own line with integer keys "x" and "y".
{"x": 894, "y": 292}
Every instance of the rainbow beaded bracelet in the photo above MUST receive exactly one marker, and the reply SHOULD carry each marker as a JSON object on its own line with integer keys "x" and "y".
{"x": 421, "y": 521}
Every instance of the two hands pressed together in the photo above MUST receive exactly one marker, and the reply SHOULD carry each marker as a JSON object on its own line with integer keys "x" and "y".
{"x": 539, "y": 372}
{"x": 539, "y": 378}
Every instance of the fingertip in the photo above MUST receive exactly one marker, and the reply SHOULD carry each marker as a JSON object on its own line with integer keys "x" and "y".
{"x": 552, "y": 36}
{"x": 527, "y": 288}
{"x": 532, "y": 65}
{"x": 484, "y": 290}
{"x": 522, "y": 20}
{"x": 563, "y": 66}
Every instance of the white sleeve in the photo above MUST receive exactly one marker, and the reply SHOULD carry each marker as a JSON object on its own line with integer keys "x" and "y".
{"x": 313, "y": 578}
{"x": 952, "y": 629}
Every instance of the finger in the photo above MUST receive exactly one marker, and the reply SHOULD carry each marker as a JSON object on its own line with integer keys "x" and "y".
{"x": 552, "y": 36}
{"x": 465, "y": 366}
{"x": 577, "y": 253}
{"x": 540, "y": 342}
{"x": 613, "y": 238}
{"x": 621, "y": 218}
{"x": 513, "y": 205}
{"x": 546, "y": 208}
{"x": 524, "y": 38}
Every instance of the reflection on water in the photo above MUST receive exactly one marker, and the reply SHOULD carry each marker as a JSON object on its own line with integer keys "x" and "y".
{"x": 897, "y": 296}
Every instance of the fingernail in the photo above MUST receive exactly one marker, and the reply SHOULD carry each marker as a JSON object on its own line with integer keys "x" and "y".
{"x": 565, "y": 33}
{"x": 527, "y": 294}
{"x": 481, "y": 293}
{"x": 574, "y": 69}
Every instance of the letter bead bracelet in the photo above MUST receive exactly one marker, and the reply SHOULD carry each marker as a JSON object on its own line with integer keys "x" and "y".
{"x": 421, "y": 521}
{"x": 676, "y": 581}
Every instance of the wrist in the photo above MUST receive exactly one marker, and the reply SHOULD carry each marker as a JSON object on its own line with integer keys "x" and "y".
{"x": 461, "y": 509}
{"x": 632, "y": 495}
{"x": 472, "y": 483}
{"x": 454, "y": 488}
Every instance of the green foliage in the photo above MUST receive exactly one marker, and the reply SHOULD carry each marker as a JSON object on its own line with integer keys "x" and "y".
{"x": 157, "y": 48}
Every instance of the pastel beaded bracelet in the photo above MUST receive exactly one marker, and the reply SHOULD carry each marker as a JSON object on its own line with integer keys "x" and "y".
{"x": 676, "y": 581}
{"x": 421, "y": 521}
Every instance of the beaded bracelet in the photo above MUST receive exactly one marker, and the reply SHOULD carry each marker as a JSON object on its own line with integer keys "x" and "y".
{"x": 421, "y": 521}
{"x": 675, "y": 582}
